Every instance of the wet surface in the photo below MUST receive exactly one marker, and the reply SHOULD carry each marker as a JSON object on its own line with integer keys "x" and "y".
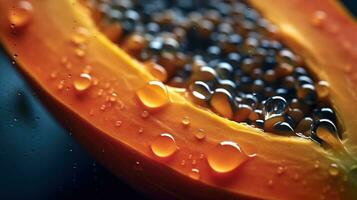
{"x": 38, "y": 158}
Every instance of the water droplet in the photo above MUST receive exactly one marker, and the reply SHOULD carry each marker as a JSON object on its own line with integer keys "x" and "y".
{"x": 103, "y": 107}
{"x": 153, "y": 95}
{"x": 270, "y": 182}
{"x": 141, "y": 130}
{"x": 317, "y": 164}
{"x": 273, "y": 106}
{"x": 145, "y": 114}
{"x": 200, "y": 134}
{"x": 185, "y": 121}
{"x": 194, "y": 174}
{"x": 183, "y": 162}
{"x": 80, "y": 53}
{"x": 118, "y": 123}
{"x": 226, "y": 157}
{"x": 113, "y": 97}
{"x": 83, "y": 82}
{"x": 280, "y": 170}
{"x": 194, "y": 162}
{"x": 164, "y": 145}
{"x": 333, "y": 169}
{"x": 318, "y": 18}
{"x": 20, "y": 15}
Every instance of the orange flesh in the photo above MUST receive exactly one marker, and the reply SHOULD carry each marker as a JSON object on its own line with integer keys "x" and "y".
{"x": 283, "y": 168}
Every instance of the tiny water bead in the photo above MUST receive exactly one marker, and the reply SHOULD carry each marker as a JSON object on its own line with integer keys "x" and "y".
{"x": 20, "y": 15}
{"x": 153, "y": 95}
{"x": 83, "y": 82}
{"x": 226, "y": 157}
{"x": 164, "y": 145}
{"x": 195, "y": 174}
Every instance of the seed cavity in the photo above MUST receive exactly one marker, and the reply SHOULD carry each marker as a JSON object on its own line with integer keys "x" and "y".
{"x": 228, "y": 57}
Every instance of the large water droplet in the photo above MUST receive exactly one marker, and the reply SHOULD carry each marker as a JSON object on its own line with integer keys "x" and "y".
{"x": 273, "y": 106}
{"x": 164, "y": 145}
{"x": 153, "y": 95}
{"x": 226, "y": 157}
{"x": 83, "y": 82}
{"x": 20, "y": 15}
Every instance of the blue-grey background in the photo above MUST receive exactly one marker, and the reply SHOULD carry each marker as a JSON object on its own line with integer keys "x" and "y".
{"x": 39, "y": 159}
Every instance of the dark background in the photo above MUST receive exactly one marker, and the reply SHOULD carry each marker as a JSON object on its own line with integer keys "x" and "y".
{"x": 39, "y": 159}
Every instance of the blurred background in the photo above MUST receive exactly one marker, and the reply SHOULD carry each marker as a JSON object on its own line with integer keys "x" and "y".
{"x": 39, "y": 159}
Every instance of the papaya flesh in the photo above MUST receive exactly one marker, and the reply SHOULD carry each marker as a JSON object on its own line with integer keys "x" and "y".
{"x": 54, "y": 42}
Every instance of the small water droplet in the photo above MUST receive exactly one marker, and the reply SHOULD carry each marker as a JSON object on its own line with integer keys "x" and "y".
{"x": 164, "y": 145}
{"x": 118, "y": 123}
{"x": 141, "y": 130}
{"x": 103, "y": 107}
{"x": 317, "y": 164}
{"x": 270, "y": 182}
{"x": 333, "y": 169}
{"x": 20, "y": 15}
{"x": 194, "y": 162}
{"x": 318, "y": 18}
{"x": 280, "y": 170}
{"x": 185, "y": 121}
{"x": 200, "y": 134}
{"x": 183, "y": 162}
{"x": 80, "y": 53}
{"x": 194, "y": 174}
{"x": 274, "y": 106}
{"x": 113, "y": 97}
{"x": 226, "y": 157}
{"x": 83, "y": 82}
{"x": 145, "y": 114}
{"x": 153, "y": 95}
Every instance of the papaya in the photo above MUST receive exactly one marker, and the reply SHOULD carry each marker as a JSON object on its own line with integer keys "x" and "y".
{"x": 167, "y": 141}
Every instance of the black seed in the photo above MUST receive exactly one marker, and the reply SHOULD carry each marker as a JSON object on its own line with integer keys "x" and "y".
{"x": 224, "y": 70}
{"x": 200, "y": 92}
{"x": 321, "y": 128}
{"x": 206, "y": 74}
{"x": 296, "y": 114}
{"x": 304, "y": 80}
{"x": 307, "y": 94}
{"x": 222, "y": 103}
{"x": 259, "y": 123}
{"x": 304, "y": 126}
{"x": 242, "y": 112}
{"x": 283, "y": 128}
{"x": 325, "y": 113}
{"x": 228, "y": 85}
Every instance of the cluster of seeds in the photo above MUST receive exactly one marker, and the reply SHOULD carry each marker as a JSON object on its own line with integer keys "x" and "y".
{"x": 228, "y": 56}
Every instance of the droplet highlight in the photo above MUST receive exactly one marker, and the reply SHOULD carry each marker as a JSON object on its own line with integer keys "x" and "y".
{"x": 153, "y": 95}
{"x": 164, "y": 145}
{"x": 226, "y": 157}
{"x": 83, "y": 82}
